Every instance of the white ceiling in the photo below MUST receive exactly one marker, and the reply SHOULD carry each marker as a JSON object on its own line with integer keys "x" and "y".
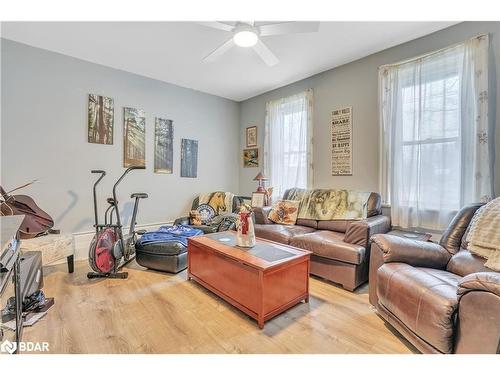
{"x": 173, "y": 51}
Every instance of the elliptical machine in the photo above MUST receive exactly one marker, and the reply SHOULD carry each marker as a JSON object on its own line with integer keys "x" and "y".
{"x": 110, "y": 249}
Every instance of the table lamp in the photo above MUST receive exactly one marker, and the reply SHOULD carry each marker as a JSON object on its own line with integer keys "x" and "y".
{"x": 260, "y": 177}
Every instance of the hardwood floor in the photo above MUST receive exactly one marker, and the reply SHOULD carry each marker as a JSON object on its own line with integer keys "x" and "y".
{"x": 153, "y": 312}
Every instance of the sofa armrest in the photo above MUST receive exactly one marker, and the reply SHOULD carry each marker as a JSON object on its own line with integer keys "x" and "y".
{"x": 261, "y": 215}
{"x": 376, "y": 261}
{"x": 478, "y": 315}
{"x": 480, "y": 282}
{"x": 360, "y": 232}
{"x": 182, "y": 220}
{"x": 413, "y": 252}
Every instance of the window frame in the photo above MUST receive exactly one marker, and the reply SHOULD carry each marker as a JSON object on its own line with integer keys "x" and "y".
{"x": 297, "y": 154}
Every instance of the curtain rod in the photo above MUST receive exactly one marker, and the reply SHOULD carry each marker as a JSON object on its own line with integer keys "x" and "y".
{"x": 402, "y": 62}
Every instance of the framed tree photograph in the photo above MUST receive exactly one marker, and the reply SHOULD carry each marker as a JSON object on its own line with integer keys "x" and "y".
{"x": 100, "y": 119}
{"x": 251, "y": 136}
{"x": 189, "y": 158}
{"x": 250, "y": 157}
{"x": 134, "y": 137}
{"x": 164, "y": 145}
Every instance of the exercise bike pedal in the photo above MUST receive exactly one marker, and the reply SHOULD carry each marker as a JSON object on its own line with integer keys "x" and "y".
{"x": 117, "y": 275}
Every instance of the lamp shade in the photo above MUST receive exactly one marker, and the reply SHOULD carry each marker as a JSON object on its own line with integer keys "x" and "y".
{"x": 260, "y": 177}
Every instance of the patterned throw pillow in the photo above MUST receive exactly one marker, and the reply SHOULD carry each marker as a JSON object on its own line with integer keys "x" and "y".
{"x": 284, "y": 212}
{"x": 207, "y": 213}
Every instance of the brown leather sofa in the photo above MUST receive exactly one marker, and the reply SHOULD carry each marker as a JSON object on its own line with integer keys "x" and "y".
{"x": 438, "y": 296}
{"x": 340, "y": 248}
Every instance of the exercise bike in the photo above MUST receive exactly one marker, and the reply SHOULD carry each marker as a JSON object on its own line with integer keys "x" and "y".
{"x": 110, "y": 248}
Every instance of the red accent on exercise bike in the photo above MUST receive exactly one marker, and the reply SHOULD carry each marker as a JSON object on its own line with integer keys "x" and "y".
{"x": 104, "y": 259}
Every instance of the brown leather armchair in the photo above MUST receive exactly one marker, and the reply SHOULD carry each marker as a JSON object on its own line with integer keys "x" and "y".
{"x": 440, "y": 296}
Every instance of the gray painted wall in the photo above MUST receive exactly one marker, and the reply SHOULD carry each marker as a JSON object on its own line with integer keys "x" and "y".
{"x": 43, "y": 132}
{"x": 356, "y": 84}
{"x": 43, "y": 135}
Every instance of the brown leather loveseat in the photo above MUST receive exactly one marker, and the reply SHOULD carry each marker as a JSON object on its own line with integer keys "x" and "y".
{"x": 438, "y": 296}
{"x": 341, "y": 248}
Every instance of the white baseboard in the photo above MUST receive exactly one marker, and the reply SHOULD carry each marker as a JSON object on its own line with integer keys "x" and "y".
{"x": 82, "y": 239}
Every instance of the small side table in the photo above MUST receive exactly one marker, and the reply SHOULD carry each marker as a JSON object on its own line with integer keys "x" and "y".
{"x": 54, "y": 247}
{"x": 411, "y": 235}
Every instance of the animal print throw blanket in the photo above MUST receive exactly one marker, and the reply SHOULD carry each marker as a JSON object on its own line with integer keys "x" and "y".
{"x": 221, "y": 202}
{"x": 330, "y": 204}
{"x": 484, "y": 234}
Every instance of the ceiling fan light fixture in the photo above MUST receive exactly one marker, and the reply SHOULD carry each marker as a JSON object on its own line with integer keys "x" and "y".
{"x": 245, "y": 38}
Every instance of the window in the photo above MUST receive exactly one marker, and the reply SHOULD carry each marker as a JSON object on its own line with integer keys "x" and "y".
{"x": 288, "y": 142}
{"x": 433, "y": 159}
{"x": 432, "y": 141}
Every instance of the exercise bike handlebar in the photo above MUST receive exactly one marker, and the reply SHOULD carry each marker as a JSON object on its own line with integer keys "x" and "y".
{"x": 116, "y": 184}
{"x": 122, "y": 176}
{"x": 103, "y": 173}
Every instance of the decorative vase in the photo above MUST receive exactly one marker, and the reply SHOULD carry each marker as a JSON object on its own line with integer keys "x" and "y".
{"x": 245, "y": 236}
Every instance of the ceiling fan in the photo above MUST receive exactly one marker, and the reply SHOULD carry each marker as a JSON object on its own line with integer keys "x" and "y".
{"x": 247, "y": 34}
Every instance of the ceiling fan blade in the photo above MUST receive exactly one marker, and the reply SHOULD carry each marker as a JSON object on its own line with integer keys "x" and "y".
{"x": 289, "y": 28}
{"x": 219, "y": 50}
{"x": 265, "y": 53}
{"x": 217, "y": 25}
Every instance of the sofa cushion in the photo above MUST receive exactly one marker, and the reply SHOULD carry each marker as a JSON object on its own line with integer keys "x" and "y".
{"x": 261, "y": 215}
{"x": 453, "y": 237}
{"x": 334, "y": 225}
{"x": 330, "y": 245}
{"x": 423, "y": 299}
{"x": 374, "y": 206}
{"x": 464, "y": 263}
{"x": 280, "y": 233}
{"x": 308, "y": 223}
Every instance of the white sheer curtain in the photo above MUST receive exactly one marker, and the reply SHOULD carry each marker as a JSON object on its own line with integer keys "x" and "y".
{"x": 288, "y": 142}
{"x": 434, "y": 141}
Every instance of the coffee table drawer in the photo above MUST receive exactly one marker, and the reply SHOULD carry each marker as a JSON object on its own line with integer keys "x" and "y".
{"x": 228, "y": 276}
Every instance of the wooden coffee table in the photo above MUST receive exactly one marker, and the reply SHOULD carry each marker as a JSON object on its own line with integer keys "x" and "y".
{"x": 262, "y": 281}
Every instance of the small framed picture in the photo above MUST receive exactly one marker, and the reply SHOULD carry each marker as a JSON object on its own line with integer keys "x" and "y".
{"x": 252, "y": 136}
{"x": 250, "y": 157}
{"x": 258, "y": 199}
